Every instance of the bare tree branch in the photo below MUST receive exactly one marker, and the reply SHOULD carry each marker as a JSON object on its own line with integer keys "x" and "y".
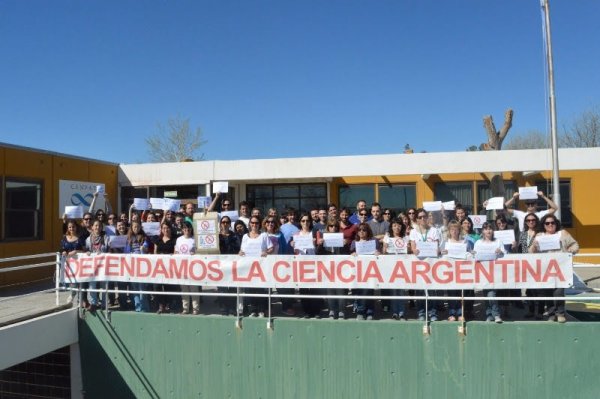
{"x": 496, "y": 138}
{"x": 175, "y": 142}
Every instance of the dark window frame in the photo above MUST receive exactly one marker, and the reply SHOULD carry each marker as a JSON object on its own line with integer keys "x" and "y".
{"x": 38, "y": 214}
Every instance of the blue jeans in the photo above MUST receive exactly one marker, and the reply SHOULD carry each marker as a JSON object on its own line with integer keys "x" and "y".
{"x": 365, "y": 307}
{"x": 492, "y": 308}
{"x": 140, "y": 301}
{"x": 398, "y": 305}
{"x": 431, "y": 305}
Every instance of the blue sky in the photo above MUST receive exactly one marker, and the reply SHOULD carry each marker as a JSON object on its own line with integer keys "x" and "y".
{"x": 267, "y": 79}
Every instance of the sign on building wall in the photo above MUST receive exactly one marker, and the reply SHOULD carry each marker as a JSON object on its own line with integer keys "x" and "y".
{"x": 78, "y": 193}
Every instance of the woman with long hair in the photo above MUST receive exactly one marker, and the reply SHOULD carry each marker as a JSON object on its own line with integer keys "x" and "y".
{"x": 71, "y": 244}
{"x": 550, "y": 226}
{"x": 138, "y": 243}
{"x": 165, "y": 246}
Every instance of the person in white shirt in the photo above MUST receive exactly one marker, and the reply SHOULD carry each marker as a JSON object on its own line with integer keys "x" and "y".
{"x": 186, "y": 245}
{"x": 423, "y": 233}
{"x": 487, "y": 239}
{"x": 531, "y": 208}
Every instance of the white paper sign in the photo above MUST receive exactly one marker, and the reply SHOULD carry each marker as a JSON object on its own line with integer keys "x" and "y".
{"x": 366, "y": 247}
{"x": 456, "y": 250}
{"x": 209, "y": 241}
{"x": 549, "y": 242}
{"x": 449, "y": 205}
{"x": 204, "y": 202}
{"x": 432, "y": 206}
{"x": 220, "y": 187}
{"x": 151, "y": 228}
{"x": 118, "y": 241}
{"x": 505, "y": 236}
{"x": 478, "y": 220}
{"x": 427, "y": 249}
{"x": 486, "y": 251}
{"x": 206, "y": 226}
{"x": 528, "y": 193}
{"x": 252, "y": 248}
{"x": 110, "y": 230}
{"x": 157, "y": 203}
{"x": 495, "y": 203}
{"x": 232, "y": 215}
{"x": 172, "y": 205}
{"x": 73, "y": 193}
{"x": 141, "y": 204}
{"x": 304, "y": 241}
{"x": 333, "y": 240}
{"x": 397, "y": 245}
{"x": 74, "y": 212}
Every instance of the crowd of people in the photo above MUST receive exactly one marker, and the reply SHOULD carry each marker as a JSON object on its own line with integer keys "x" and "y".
{"x": 366, "y": 230}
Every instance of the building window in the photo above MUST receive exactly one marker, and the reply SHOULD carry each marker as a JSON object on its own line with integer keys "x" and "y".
{"x": 351, "y": 194}
{"x": 22, "y": 210}
{"x": 398, "y": 197}
{"x": 460, "y": 193}
{"x": 302, "y": 197}
{"x": 394, "y": 196}
{"x": 566, "y": 215}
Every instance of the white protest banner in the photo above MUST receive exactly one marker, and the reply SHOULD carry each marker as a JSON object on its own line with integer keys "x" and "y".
{"x": 232, "y": 215}
{"x": 456, "y": 250}
{"x": 550, "y": 270}
{"x": 528, "y": 193}
{"x": 118, "y": 241}
{"x": 333, "y": 240}
{"x": 151, "y": 228}
{"x": 207, "y": 226}
{"x": 141, "y": 204}
{"x": 366, "y": 247}
{"x": 505, "y": 236}
{"x": 204, "y": 202}
{"x": 74, "y": 193}
{"x": 427, "y": 249}
{"x": 432, "y": 206}
{"x": 170, "y": 204}
{"x": 495, "y": 203}
{"x": 449, "y": 205}
{"x": 548, "y": 242}
{"x": 478, "y": 220}
{"x": 74, "y": 212}
{"x": 220, "y": 187}
{"x": 157, "y": 203}
{"x": 303, "y": 241}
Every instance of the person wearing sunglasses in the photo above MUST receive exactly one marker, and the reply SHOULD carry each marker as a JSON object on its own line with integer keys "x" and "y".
{"x": 310, "y": 306}
{"x": 336, "y": 306}
{"x": 365, "y": 308}
{"x": 101, "y": 213}
{"x": 256, "y": 243}
{"x": 424, "y": 233}
{"x": 550, "y": 226}
{"x": 229, "y": 244}
{"x": 361, "y": 205}
{"x": 531, "y": 207}
{"x": 526, "y": 239}
{"x": 388, "y": 215}
{"x": 271, "y": 229}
